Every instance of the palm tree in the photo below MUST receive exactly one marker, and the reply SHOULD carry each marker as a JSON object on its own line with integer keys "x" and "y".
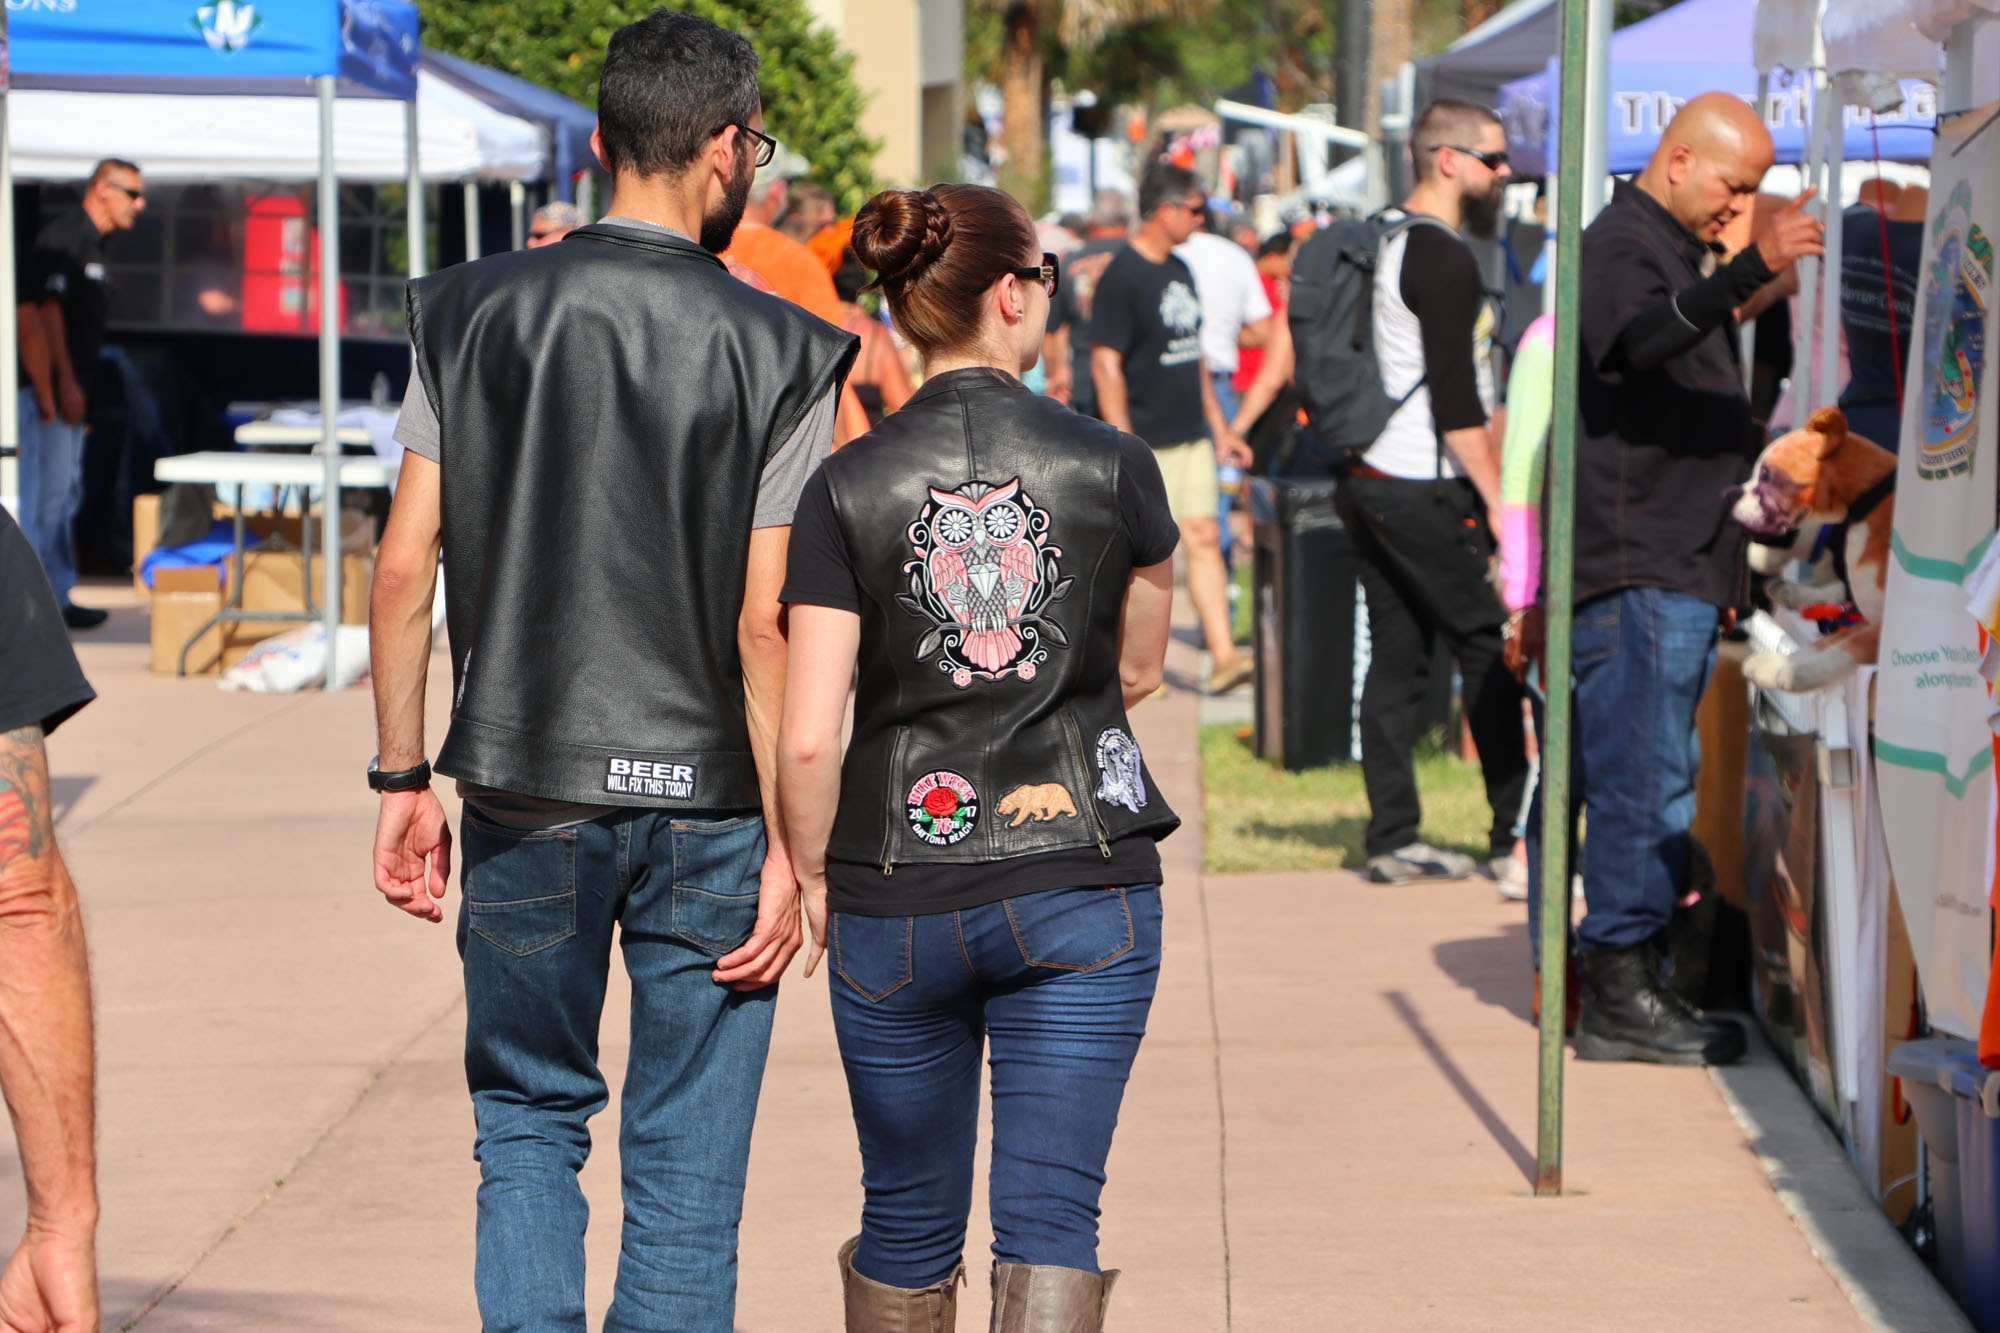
{"x": 1080, "y": 25}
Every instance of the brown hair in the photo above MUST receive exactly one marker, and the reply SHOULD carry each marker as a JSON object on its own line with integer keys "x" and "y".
{"x": 936, "y": 251}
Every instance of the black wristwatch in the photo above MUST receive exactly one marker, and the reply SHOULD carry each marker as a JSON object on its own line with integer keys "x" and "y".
{"x": 402, "y": 779}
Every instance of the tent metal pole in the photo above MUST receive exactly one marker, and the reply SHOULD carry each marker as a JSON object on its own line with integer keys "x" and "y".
{"x": 517, "y": 213}
{"x": 1559, "y": 596}
{"x": 1596, "y": 180}
{"x": 10, "y": 381}
{"x": 470, "y": 191}
{"x": 1829, "y": 308}
{"x": 1806, "y": 396}
{"x": 414, "y": 187}
{"x": 329, "y": 369}
{"x": 586, "y": 195}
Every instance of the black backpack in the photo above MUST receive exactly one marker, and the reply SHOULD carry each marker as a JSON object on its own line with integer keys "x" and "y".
{"x": 1332, "y": 317}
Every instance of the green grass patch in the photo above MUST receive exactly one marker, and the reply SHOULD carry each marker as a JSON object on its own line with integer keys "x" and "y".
{"x": 1260, "y": 817}
{"x": 1243, "y": 611}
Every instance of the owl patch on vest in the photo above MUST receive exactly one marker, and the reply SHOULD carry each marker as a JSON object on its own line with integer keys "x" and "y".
{"x": 983, "y": 575}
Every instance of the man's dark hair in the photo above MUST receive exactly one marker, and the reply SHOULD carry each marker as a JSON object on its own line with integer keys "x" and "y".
{"x": 1277, "y": 243}
{"x": 1165, "y": 183}
{"x": 1445, "y": 123}
{"x": 110, "y": 164}
{"x": 670, "y": 81}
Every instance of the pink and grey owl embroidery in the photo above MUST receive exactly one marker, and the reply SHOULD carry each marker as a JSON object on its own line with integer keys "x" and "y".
{"x": 982, "y": 576}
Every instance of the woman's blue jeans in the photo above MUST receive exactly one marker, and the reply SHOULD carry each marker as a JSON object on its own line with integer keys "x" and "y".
{"x": 535, "y": 928}
{"x": 1061, "y": 982}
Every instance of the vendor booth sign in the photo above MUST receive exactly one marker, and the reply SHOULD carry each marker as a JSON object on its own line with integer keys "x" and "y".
{"x": 1933, "y": 748}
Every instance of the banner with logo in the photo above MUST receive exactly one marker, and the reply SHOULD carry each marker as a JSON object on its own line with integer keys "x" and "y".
{"x": 232, "y": 44}
{"x": 1933, "y": 748}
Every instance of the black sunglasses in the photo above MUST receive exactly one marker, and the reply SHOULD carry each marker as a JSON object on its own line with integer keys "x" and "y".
{"x": 767, "y": 147}
{"x": 1048, "y": 273}
{"x": 1491, "y": 161}
{"x": 134, "y": 195}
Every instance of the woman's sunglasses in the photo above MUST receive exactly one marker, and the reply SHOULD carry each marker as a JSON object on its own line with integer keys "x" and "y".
{"x": 1048, "y": 273}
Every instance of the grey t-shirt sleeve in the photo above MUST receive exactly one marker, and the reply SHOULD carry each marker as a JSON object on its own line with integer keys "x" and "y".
{"x": 786, "y": 474}
{"x": 417, "y": 426}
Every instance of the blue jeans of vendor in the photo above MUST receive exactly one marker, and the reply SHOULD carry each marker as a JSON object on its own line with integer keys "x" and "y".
{"x": 1059, "y": 983}
{"x": 1643, "y": 657}
{"x": 1225, "y": 397}
{"x": 51, "y": 483}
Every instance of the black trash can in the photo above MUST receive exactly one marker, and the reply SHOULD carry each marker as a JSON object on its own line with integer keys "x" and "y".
{"x": 1303, "y": 579}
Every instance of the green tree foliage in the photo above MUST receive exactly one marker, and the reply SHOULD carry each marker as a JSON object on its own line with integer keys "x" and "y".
{"x": 811, "y": 102}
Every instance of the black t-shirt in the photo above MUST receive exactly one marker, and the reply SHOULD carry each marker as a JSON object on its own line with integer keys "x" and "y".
{"x": 67, "y": 265}
{"x": 1659, "y": 449}
{"x": 1440, "y": 283}
{"x": 1149, "y": 314}
{"x": 40, "y": 681}
{"x": 1864, "y": 304}
{"x": 1082, "y": 268}
{"x": 819, "y": 571}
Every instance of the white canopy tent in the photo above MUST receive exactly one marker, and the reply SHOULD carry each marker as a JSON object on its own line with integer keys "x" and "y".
{"x": 59, "y": 135}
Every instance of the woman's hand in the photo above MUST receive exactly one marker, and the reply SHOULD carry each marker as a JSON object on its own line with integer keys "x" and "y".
{"x": 812, "y": 905}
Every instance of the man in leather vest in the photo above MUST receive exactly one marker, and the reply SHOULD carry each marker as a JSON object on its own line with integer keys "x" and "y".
{"x": 606, "y": 440}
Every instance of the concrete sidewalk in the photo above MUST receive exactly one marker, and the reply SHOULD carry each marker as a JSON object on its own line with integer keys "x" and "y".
{"x": 1330, "y": 1125}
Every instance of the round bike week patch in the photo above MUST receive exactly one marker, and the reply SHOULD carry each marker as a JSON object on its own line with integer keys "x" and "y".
{"x": 942, "y": 808}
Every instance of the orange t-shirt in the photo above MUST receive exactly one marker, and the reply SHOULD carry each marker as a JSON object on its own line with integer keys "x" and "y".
{"x": 787, "y": 267}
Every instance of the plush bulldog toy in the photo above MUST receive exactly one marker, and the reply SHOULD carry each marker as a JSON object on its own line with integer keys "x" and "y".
{"x": 1825, "y": 497}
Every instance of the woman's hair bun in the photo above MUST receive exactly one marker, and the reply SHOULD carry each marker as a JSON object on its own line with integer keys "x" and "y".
{"x": 900, "y": 233}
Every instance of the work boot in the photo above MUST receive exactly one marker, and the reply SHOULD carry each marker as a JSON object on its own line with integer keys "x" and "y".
{"x": 875, "y": 1307}
{"x": 1628, "y": 1015}
{"x": 1040, "y": 1298}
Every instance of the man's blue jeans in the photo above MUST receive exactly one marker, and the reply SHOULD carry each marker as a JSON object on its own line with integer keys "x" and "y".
{"x": 1643, "y": 658}
{"x": 534, "y": 932}
{"x": 1061, "y": 981}
{"x": 51, "y": 479}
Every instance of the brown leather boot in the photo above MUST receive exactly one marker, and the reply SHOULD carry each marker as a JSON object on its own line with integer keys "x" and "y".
{"x": 874, "y": 1307}
{"x": 1037, "y": 1298}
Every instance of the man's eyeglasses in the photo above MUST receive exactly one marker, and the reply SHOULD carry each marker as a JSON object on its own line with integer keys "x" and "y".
{"x": 767, "y": 147}
{"x": 1491, "y": 161}
{"x": 1048, "y": 273}
{"x": 134, "y": 195}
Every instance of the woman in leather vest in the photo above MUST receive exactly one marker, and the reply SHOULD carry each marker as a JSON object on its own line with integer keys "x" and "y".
{"x": 983, "y": 863}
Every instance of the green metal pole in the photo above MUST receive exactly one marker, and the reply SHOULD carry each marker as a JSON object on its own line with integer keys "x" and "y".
{"x": 1558, "y": 596}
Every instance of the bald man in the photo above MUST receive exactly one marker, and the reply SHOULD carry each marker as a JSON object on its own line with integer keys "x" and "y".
{"x": 1666, "y": 431}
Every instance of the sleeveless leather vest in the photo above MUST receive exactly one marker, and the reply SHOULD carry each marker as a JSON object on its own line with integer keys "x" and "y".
{"x": 607, "y": 406}
{"x": 986, "y": 535}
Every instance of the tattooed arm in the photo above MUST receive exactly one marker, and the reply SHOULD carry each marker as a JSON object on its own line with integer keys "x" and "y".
{"x": 47, "y": 1068}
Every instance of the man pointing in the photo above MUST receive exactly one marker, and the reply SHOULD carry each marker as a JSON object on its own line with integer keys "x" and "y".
{"x": 1666, "y": 431}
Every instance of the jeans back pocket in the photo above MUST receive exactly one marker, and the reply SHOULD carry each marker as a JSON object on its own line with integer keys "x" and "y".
{"x": 1071, "y": 930}
{"x": 873, "y": 953}
{"x": 520, "y": 885}
{"x": 717, "y": 868}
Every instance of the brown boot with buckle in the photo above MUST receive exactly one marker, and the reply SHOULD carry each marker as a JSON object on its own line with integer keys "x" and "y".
{"x": 1038, "y": 1298}
{"x": 875, "y": 1307}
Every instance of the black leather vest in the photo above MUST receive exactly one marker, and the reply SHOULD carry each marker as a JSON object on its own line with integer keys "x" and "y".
{"x": 607, "y": 406}
{"x": 993, "y": 560}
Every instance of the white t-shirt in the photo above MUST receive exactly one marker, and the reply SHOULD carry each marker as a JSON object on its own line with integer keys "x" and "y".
{"x": 1225, "y": 277}
{"x": 1409, "y": 446}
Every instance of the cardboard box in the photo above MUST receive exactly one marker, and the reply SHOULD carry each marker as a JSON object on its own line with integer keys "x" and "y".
{"x": 182, "y": 600}
{"x": 272, "y": 582}
{"x": 145, "y": 535}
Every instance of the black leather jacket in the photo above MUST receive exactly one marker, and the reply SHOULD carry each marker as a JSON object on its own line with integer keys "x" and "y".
{"x": 984, "y": 526}
{"x": 607, "y": 406}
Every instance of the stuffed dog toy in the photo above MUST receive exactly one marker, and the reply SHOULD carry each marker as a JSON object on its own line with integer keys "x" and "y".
{"x": 1826, "y": 497}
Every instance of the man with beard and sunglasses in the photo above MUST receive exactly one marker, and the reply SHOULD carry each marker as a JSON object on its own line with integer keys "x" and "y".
{"x": 605, "y": 442}
{"x": 1418, "y": 500}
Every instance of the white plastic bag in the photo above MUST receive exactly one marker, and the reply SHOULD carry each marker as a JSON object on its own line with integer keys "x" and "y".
{"x": 296, "y": 660}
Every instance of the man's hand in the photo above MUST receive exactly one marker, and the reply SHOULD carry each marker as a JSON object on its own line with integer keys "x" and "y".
{"x": 50, "y": 1285}
{"x": 1788, "y": 233}
{"x": 45, "y": 403}
{"x": 812, "y": 905}
{"x": 1524, "y": 640}
{"x": 1231, "y": 448}
{"x": 69, "y": 400}
{"x": 413, "y": 852}
{"x": 768, "y": 952}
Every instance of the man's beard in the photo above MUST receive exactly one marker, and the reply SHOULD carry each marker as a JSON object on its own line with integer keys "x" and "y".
{"x": 1479, "y": 214}
{"x": 719, "y": 227}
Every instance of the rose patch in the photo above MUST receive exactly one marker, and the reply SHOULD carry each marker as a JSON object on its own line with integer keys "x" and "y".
{"x": 942, "y": 808}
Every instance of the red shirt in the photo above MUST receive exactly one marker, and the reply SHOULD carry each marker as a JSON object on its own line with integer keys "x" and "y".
{"x": 1250, "y": 360}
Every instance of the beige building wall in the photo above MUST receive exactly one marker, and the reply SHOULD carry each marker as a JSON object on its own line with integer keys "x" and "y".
{"x": 909, "y": 58}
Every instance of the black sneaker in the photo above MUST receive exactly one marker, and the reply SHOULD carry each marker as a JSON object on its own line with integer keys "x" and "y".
{"x": 84, "y": 617}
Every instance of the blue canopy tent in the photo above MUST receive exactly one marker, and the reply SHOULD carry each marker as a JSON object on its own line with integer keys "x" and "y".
{"x": 1695, "y": 47}
{"x": 569, "y": 123}
{"x": 327, "y": 48}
